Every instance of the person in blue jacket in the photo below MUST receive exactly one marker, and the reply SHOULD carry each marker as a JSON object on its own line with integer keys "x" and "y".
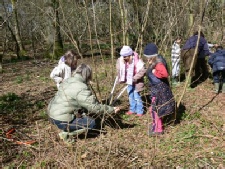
{"x": 217, "y": 63}
{"x": 200, "y": 69}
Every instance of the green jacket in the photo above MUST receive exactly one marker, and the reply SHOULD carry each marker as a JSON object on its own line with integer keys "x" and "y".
{"x": 73, "y": 95}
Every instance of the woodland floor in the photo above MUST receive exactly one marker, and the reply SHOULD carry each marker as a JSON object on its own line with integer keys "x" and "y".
{"x": 197, "y": 140}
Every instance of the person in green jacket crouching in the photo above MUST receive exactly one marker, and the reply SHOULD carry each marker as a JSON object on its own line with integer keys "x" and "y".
{"x": 73, "y": 97}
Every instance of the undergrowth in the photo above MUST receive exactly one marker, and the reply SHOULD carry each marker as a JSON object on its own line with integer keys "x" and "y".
{"x": 195, "y": 140}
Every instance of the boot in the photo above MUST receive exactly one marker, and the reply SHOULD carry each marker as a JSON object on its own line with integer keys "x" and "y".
{"x": 63, "y": 135}
{"x": 216, "y": 87}
{"x": 223, "y": 88}
{"x": 67, "y": 137}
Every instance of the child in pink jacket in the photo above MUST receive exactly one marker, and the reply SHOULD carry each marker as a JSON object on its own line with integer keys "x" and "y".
{"x": 130, "y": 69}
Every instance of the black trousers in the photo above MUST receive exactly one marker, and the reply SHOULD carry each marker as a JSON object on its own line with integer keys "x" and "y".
{"x": 201, "y": 69}
{"x": 219, "y": 76}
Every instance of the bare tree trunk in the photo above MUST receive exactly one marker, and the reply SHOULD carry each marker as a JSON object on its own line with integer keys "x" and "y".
{"x": 96, "y": 34}
{"x": 125, "y": 24}
{"x": 193, "y": 13}
{"x": 16, "y": 32}
{"x": 1, "y": 57}
{"x": 1, "y": 67}
{"x": 70, "y": 35}
{"x": 13, "y": 37}
{"x": 172, "y": 24}
{"x": 110, "y": 28}
{"x": 53, "y": 39}
{"x": 122, "y": 21}
{"x": 49, "y": 38}
{"x": 140, "y": 37}
{"x": 90, "y": 39}
{"x": 33, "y": 40}
{"x": 111, "y": 39}
{"x": 222, "y": 21}
{"x": 58, "y": 44}
{"x": 1, "y": 44}
{"x": 3, "y": 39}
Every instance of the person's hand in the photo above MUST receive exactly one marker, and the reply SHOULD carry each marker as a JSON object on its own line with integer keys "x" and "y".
{"x": 134, "y": 80}
{"x": 215, "y": 45}
{"x": 153, "y": 71}
{"x": 116, "y": 109}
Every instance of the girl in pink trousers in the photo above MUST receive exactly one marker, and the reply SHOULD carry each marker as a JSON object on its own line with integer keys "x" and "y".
{"x": 162, "y": 100}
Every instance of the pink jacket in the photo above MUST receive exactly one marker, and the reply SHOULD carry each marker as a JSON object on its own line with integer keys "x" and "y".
{"x": 139, "y": 72}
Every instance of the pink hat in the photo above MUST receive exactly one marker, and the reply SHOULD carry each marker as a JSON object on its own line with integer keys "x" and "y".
{"x": 126, "y": 51}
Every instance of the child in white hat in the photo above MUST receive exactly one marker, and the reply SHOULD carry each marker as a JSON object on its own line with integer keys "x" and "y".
{"x": 130, "y": 69}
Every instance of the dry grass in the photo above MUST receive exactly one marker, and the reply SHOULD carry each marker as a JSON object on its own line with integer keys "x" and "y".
{"x": 197, "y": 141}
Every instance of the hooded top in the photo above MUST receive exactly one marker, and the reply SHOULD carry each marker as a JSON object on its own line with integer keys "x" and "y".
{"x": 217, "y": 60}
{"x": 203, "y": 48}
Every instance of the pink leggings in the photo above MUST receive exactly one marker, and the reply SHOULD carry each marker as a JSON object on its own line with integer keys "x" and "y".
{"x": 157, "y": 125}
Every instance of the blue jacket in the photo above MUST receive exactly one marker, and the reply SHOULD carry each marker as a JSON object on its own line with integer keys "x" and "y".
{"x": 217, "y": 60}
{"x": 203, "y": 48}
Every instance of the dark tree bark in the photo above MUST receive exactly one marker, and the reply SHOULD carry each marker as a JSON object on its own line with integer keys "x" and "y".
{"x": 16, "y": 30}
